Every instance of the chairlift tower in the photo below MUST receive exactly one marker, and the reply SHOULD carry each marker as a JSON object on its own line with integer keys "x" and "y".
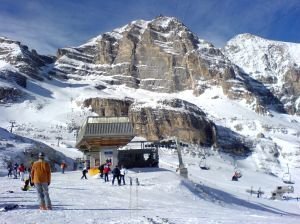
{"x": 58, "y": 139}
{"x": 182, "y": 169}
{"x": 174, "y": 143}
{"x": 12, "y": 125}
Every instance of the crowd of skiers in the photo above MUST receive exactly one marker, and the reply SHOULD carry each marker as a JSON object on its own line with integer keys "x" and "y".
{"x": 18, "y": 171}
{"x": 104, "y": 171}
{"x": 39, "y": 176}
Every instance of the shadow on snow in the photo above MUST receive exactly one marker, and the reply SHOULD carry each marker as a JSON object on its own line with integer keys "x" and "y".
{"x": 221, "y": 197}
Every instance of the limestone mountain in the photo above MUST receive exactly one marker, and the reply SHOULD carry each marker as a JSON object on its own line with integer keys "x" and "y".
{"x": 161, "y": 55}
{"x": 273, "y": 64}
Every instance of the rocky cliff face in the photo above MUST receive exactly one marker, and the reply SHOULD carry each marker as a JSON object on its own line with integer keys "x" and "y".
{"x": 161, "y": 55}
{"x": 17, "y": 64}
{"x": 172, "y": 118}
{"x": 161, "y": 119}
{"x": 108, "y": 107}
{"x": 17, "y": 57}
{"x": 273, "y": 64}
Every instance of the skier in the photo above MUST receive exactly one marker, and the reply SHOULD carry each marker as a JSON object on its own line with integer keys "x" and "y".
{"x": 15, "y": 171}
{"x": 106, "y": 171}
{"x": 259, "y": 193}
{"x": 101, "y": 168}
{"x": 9, "y": 169}
{"x": 123, "y": 171}
{"x": 21, "y": 169}
{"x": 63, "y": 166}
{"x": 108, "y": 162}
{"x": 41, "y": 177}
{"x": 235, "y": 177}
{"x": 116, "y": 174}
{"x": 84, "y": 172}
{"x": 26, "y": 185}
{"x": 29, "y": 174}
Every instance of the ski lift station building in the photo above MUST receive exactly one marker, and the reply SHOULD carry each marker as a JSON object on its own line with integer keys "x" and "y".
{"x": 99, "y": 138}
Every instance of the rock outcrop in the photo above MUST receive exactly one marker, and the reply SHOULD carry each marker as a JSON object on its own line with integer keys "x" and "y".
{"x": 274, "y": 65}
{"x": 161, "y": 119}
{"x": 170, "y": 118}
{"x": 9, "y": 94}
{"x": 108, "y": 107}
{"x": 19, "y": 58}
{"x": 17, "y": 65}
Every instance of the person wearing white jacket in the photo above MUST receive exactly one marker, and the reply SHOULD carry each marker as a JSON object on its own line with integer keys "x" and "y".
{"x": 123, "y": 171}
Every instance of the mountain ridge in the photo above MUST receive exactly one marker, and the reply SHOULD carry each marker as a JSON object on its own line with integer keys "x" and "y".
{"x": 277, "y": 65}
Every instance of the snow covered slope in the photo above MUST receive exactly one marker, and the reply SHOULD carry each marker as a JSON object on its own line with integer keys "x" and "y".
{"x": 162, "y": 197}
{"x": 276, "y": 64}
{"x": 18, "y": 66}
{"x": 18, "y": 149}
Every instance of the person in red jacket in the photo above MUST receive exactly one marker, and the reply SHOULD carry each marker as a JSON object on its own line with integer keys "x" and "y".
{"x": 21, "y": 169}
{"x": 106, "y": 171}
{"x": 41, "y": 177}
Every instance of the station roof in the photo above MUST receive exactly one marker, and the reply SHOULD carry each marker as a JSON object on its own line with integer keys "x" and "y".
{"x": 104, "y": 132}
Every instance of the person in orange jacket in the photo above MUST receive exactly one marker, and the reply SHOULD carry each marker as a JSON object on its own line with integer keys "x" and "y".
{"x": 41, "y": 177}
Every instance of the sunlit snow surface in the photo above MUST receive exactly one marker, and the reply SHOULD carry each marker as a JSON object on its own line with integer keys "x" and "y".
{"x": 162, "y": 197}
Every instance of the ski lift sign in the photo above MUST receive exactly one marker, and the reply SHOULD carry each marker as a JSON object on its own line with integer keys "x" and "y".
{"x": 108, "y": 153}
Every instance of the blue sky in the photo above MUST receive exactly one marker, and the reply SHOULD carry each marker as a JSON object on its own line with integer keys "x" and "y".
{"x": 46, "y": 25}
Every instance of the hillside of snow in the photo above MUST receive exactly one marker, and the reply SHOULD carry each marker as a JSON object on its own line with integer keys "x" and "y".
{"x": 162, "y": 196}
{"x": 276, "y": 64}
{"x": 18, "y": 149}
{"x": 271, "y": 57}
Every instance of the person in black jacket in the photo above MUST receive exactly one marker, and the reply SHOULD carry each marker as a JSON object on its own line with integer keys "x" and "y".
{"x": 84, "y": 172}
{"x": 10, "y": 170}
{"x": 116, "y": 174}
{"x": 101, "y": 168}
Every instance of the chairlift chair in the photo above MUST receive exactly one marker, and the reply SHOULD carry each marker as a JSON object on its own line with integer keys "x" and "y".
{"x": 287, "y": 179}
{"x": 203, "y": 165}
{"x": 238, "y": 173}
